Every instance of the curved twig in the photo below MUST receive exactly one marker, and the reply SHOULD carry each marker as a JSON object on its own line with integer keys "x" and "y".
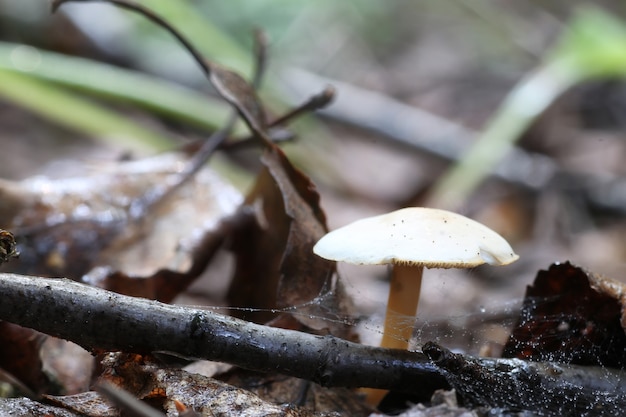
{"x": 130, "y": 5}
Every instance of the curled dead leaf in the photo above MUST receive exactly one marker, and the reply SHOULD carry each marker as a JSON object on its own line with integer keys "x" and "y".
{"x": 275, "y": 265}
{"x": 83, "y": 228}
{"x": 573, "y": 316}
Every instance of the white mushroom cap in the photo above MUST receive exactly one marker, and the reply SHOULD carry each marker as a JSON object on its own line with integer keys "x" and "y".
{"x": 419, "y": 236}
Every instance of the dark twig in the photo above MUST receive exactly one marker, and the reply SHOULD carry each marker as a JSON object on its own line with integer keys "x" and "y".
{"x": 316, "y": 102}
{"x": 18, "y": 385}
{"x": 543, "y": 388}
{"x": 217, "y": 75}
{"x": 149, "y": 14}
{"x": 260, "y": 53}
{"x": 211, "y": 144}
{"x": 125, "y": 401}
{"x": 95, "y": 318}
{"x": 277, "y": 137}
{"x": 220, "y": 77}
{"x": 141, "y": 206}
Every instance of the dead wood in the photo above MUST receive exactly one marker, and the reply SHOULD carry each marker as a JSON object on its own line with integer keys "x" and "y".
{"x": 545, "y": 388}
{"x": 96, "y": 318}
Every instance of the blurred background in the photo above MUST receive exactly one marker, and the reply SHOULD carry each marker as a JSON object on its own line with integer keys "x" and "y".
{"x": 418, "y": 84}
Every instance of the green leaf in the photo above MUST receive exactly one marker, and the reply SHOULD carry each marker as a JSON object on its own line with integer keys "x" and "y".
{"x": 593, "y": 45}
{"x": 113, "y": 83}
{"x": 78, "y": 114}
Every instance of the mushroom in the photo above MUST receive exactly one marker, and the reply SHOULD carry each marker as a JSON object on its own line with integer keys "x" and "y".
{"x": 409, "y": 240}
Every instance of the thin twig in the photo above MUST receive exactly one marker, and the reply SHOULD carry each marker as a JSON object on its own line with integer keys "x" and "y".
{"x": 214, "y": 72}
{"x": 125, "y": 401}
{"x": 149, "y": 14}
{"x": 141, "y": 206}
{"x": 318, "y": 101}
{"x": 260, "y": 53}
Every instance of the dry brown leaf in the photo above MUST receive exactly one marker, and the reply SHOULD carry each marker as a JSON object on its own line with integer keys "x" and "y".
{"x": 282, "y": 389}
{"x": 22, "y": 407}
{"x": 240, "y": 94}
{"x": 573, "y": 316}
{"x": 276, "y": 267}
{"x": 19, "y": 355}
{"x": 168, "y": 389}
{"x": 68, "y": 364}
{"x": 88, "y": 403}
{"x": 72, "y": 226}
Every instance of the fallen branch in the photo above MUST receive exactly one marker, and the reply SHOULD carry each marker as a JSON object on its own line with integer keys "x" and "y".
{"x": 541, "y": 387}
{"x": 96, "y": 318}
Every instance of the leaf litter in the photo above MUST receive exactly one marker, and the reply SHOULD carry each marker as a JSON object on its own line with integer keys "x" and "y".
{"x": 83, "y": 229}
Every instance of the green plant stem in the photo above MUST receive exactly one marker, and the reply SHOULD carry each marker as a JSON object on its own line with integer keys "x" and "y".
{"x": 592, "y": 47}
{"x": 79, "y": 114}
{"x": 529, "y": 99}
{"x": 113, "y": 83}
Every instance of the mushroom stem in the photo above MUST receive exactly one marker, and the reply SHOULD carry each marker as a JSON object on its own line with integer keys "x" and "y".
{"x": 404, "y": 293}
